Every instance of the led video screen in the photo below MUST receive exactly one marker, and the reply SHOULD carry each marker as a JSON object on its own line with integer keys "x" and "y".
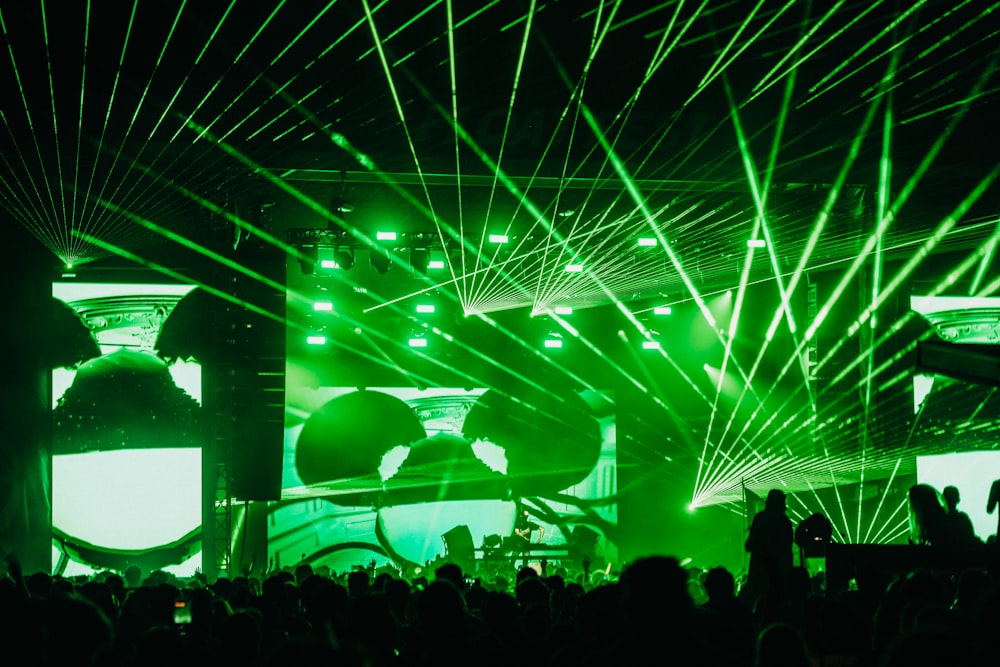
{"x": 126, "y": 465}
{"x": 973, "y": 474}
{"x": 405, "y": 477}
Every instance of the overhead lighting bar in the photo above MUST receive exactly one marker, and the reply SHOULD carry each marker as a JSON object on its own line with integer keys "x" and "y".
{"x": 574, "y": 268}
{"x": 417, "y": 342}
{"x": 316, "y": 340}
{"x": 650, "y": 345}
{"x": 552, "y": 343}
{"x": 647, "y": 242}
{"x": 498, "y": 238}
{"x": 563, "y": 310}
{"x": 323, "y": 306}
{"x": 756, "y": 243}
{"x": 385, "y": 236}
{"x": 328, "y": 264}
{"x": 425, "y": 307}
{"x": 663, "y": 310}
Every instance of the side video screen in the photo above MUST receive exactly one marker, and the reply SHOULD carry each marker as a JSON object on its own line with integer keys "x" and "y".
{"x": 126, "y": 467}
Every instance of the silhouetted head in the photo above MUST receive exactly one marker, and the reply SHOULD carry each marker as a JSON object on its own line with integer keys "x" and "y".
{"x": 951, "y": 496}
{"x": 450, "y": 572}
{"x": 357, "y": 583}
{"x": 775, "y": 500}
{"x": 720, "y": 584}
{"x": 781, "y": 644}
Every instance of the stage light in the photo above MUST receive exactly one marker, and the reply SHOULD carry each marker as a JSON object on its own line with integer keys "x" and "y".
{"x": 425, "y": 307}
{"x": 316, "y": 340}
{"x": 662, "y": 310}
{"x": 420, "y": 260}
{"x": 379, "y": 260}
{"x": 344, "y": 258}
{"x": 323, "y": 306}
{"x": 552, "y": 343}
{"x": 417, "y": 342}
{"x": 307, "y": 259}
{"x": 435, "y": 264}
{"x": 650, "y": 345}
{"x": 385, "y": 236}
{"x": 498, "y": 238}
{"x": 756, "y": 243}
{"x": 647, "y": 242}
{"x": 341, "y": 205}
{"x": 574, "y": 268}
{"x": 328, "y": 258}
{"x": 563, "y": 310}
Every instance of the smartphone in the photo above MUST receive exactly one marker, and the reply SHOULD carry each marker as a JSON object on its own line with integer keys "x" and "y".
{"x": 182, "y": 613}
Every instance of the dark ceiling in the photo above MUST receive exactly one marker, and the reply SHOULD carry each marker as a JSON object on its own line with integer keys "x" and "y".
{"x": 130, "y": 104}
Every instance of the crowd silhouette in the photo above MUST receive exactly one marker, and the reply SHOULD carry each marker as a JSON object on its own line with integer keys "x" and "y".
{"x": 653, "y": 610}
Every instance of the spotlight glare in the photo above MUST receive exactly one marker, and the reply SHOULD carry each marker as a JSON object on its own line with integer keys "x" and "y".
{"x": 385, "y": 236}
{"x": 756, "y": 243}
{"x": 662, "y": 310}
{"x": 563, "y": 310}
{"x": 498, "y": 238}
{"x": 316, "y": 340}
{"x": 435, "y": 264}
{"x": 341, "y": 205}
{"x": 650, "y": 345}
{"x": 417, "y": 342}
{"x": 647, "y": 242}
{"x": 425, "y": 308}
{"x": 328, "y": 264}
{"x": 325, "y": 306}
{"x": 553, "y": 343}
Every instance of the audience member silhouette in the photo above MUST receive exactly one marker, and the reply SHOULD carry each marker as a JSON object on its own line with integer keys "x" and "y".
{"x": 730, "y": 620}
{"x": 958, "y": 530}
{"x": 991, "y": 504}
{"x": 770, "y": 546}
{"x": 781, "y": 645}
{"x": 927, "y": 515}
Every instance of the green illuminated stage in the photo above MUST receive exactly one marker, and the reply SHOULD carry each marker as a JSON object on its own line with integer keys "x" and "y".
{"x": 691, "y": 252}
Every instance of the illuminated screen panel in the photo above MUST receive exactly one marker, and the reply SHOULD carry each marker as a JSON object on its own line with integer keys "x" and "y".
{"x": 972, "y": 473}
{"x": 126, "y": 469}
{"x": 405, "y": 476}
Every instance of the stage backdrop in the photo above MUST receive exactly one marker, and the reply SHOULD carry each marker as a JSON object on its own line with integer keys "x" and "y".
{"x": 405, "y": 476}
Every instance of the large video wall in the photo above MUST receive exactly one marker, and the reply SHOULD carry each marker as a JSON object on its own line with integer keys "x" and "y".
{"x": 126, "y": 465}
{"x": 404, "y": 477}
